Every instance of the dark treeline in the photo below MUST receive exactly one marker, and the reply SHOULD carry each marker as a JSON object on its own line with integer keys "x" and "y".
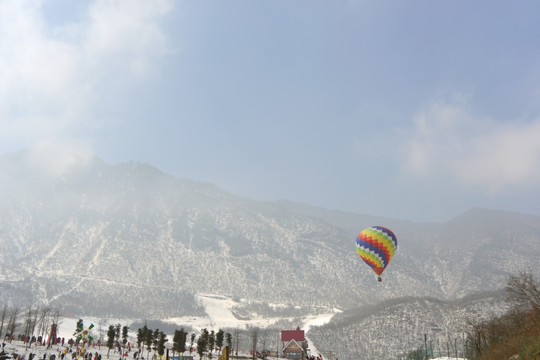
{"x": 517, "y": 332}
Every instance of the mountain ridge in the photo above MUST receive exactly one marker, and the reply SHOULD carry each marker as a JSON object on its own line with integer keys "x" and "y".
{"x": 132, "y": 240}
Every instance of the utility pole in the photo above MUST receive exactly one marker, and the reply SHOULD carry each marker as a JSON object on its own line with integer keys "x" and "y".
{"x": 277, "y": 345}
{"x": 236, "y": 335}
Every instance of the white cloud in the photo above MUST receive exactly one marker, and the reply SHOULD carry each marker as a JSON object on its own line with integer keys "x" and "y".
{"x": 448, "y": 142}
{"x": 508, "y": 155}
{"x": 51, "y": 76}
{"x": 127, "y": 31}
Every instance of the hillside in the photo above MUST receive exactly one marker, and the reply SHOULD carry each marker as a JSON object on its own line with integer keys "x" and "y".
{"x": 130, "y": 241}
{"x": 392, "y": 329}
{"x": 145, "y": 243}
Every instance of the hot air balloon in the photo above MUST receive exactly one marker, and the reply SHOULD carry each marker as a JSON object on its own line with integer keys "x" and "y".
{"x": 376, "y": 246}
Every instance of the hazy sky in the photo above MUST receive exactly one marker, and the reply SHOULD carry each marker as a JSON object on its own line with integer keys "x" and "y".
{"x": 418, "y": 110}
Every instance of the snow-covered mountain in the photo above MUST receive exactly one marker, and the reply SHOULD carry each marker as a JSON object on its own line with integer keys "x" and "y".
{"x": 129, "y": 240}
{"x": 394, "y": 328}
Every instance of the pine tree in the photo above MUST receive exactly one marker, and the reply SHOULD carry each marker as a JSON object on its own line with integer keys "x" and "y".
{"x": 162, "y": 339}
{"x": 155, "y": 339}
{"x": 192, "y": 341}
{"x": 176, "y": 342}
{"x": 211, "y": 342}
{"x": 125, "y": 335}
{"x": 219, "y": 339}
{"x": 179, "y": 341}
{"x": 202, "y": 342}
{"x": 117, "y": 331}
{"x": 140, "y": 338}
{"x": 148, "y": 339}
{"x": 183, "y": 339}
{"x": 111, "y": 333}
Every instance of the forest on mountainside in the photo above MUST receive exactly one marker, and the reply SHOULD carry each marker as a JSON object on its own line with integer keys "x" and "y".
{"x": 479, "y": 326}
{"x": 517, "y": 332}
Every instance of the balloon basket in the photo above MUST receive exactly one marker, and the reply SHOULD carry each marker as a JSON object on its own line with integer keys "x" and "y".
{"x": 379, "y": 279}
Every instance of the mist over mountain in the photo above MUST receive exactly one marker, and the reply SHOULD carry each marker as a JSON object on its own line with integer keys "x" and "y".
{"x": 129, "y": 240}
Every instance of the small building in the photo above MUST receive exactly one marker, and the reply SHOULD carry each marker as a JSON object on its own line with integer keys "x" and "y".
{"x": 293, "y": 350}
{"x": 293, "y": 343}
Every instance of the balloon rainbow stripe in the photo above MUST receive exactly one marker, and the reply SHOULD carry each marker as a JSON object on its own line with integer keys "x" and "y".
{"x": 376, "y": 246}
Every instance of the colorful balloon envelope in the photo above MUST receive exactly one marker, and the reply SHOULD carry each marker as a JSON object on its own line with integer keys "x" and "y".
{"x": 376, "y": 246}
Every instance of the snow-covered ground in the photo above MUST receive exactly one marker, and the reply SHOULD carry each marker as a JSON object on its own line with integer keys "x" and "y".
{"x": 220, "y": 315}
{"x": 44, "y": 352}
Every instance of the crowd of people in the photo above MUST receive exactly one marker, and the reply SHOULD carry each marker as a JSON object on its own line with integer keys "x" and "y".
{"x": 35, "y": 348}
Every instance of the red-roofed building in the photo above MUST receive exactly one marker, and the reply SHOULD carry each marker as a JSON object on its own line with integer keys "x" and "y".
{"x": 288, "y": 335}
{"x": 293, "y": 344}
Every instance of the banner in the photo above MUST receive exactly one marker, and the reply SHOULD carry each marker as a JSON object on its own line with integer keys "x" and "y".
{"x": 224, "y": 354}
